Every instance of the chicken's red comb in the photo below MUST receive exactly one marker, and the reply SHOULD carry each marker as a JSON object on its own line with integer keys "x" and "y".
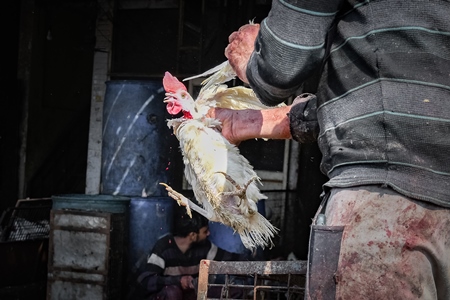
{"x": 172, "y": 84}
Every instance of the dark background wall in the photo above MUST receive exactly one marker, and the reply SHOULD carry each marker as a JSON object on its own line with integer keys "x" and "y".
{"x": 10, "y": 107}
{"x": 45, "y": 112}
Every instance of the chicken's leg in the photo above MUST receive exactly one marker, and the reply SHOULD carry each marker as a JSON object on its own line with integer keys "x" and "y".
{"x": 240, "y": 191}
{"x": 182, "y": 200}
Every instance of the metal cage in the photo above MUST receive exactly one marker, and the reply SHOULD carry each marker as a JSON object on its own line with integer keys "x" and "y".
{"x": 28, "y": 220}
{"x": 251, "y": 280}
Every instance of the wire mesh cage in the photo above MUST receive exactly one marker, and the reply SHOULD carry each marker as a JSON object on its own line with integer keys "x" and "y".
{"x": 28, "y": 220}
{"x": 268, "y": 280}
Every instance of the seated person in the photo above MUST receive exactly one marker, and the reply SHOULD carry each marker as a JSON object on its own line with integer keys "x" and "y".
{"x": 172, "y": 266}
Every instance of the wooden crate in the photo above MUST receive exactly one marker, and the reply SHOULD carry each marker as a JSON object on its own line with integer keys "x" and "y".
{"x": 86, "y": 255}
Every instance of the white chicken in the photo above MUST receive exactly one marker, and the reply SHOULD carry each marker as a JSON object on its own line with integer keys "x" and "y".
{"x": 223, "y": 181}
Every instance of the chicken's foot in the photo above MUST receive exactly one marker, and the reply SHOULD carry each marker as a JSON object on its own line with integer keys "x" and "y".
{"x": 240, "y": 191}
{"x": 183, "y": 201}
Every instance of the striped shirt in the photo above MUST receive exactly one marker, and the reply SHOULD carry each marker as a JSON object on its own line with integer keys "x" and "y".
{"x": 166, "y": 264}
{"x": 383, "y": 88}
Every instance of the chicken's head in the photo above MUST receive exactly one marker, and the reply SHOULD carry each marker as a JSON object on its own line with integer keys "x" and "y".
{"x": 177, "y": 96}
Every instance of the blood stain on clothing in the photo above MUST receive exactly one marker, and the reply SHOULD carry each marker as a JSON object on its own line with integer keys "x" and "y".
{"x": 388, "y": 232}
{"x": 348, "y": 260}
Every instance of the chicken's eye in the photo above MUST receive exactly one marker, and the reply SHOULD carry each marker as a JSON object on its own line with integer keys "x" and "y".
{"x": 183, "y": 95}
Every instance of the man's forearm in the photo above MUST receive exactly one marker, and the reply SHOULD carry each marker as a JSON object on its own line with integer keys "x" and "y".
{"x": 267, "y": 123}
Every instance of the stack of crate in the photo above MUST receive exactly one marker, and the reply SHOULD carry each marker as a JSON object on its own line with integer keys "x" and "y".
{"x": 87, "y": 249}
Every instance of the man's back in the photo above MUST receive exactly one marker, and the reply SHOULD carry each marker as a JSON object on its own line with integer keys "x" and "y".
{"x": 383, "y": 99}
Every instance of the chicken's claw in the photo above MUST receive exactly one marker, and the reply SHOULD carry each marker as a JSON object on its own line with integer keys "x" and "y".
{"x": 181, "y": 200}
{"x": 240, "y": 191}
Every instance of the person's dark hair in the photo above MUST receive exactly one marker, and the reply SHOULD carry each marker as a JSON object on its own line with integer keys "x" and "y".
{"x": 183, "y": 224}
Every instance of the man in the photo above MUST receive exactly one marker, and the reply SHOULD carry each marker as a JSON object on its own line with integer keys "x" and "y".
{"x": 173, "y": 265}
{"x": 382, "y": 104}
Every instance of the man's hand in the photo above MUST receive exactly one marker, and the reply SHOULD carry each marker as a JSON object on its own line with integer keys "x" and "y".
{"x": 240, "y": 48}
{"x": 225, "y": 116}
{"x": 186, "y": 282}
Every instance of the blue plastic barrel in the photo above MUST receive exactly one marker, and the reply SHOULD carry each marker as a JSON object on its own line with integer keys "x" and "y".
{"x": 150, "y": 219}
{"x": 138, "y": 149}
{"x": 226, "y": 238}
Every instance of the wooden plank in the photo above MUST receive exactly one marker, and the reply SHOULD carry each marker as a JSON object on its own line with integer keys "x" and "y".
{"x": 257, "y": 267}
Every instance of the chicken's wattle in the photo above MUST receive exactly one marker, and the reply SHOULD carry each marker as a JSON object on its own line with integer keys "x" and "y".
{"x": 187, "y": 115}
{"x": 174, "y": 107}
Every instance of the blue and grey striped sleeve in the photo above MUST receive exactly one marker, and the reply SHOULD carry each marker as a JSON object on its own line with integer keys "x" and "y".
{"x": 290, "y": 47}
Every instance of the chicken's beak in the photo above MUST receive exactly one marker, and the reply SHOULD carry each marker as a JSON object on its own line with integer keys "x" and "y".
{"x": 169, "y": 98}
